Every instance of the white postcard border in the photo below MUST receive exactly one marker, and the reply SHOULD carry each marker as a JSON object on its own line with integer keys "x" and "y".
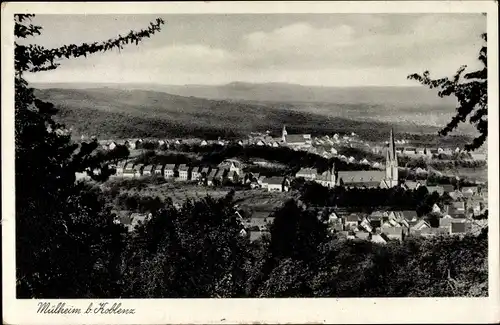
{"x": 231, "y": 311}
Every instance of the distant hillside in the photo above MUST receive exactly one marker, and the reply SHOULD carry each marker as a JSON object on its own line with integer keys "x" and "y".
{"x": 109, "y": 112}
{"x": 284, "y": 92}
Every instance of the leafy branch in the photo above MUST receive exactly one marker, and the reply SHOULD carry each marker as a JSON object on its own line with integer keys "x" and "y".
{"x": 471, "y": 91}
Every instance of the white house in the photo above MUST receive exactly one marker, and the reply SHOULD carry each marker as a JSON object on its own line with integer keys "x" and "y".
{"x": 276, "y": 184}
{"x": 112, "y": 145}
{"x": 183, "y": 172}
{"x": 307, "y": 173}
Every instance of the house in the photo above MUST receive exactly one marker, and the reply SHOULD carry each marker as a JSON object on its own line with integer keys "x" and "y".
{"x": 120, "y": 167}
{"x": 138, "y": 169}
{"x": 148, "y": 170}
{"x": 437, "y": 189}
{"x": 203, "y": 143}
{"x": 362, "y": 235}
{"x": 211, "y": 176}
{"x": 365, "y": 162}
{"x": 410, "y": 151}
{"x": 445, "y": 221}
{"x": 297, "y": 139}
{"x": 421, "y": 224}
{"x": 365, "y": 224}
{"x": 430, "y": 232}
{"x": 169, "y": 171}
{"x": 307, "y": 173}
{"x": 376, "y": 165}
{"x": 448, "y": 188}
{"x": 362, "y": 178}
{"x": 459, "y": 228}
{"x": 351, "y": 159}
{"x": 138, "y": 143}
{"x": 233, "y": 177}
{"x": 456, "y": 195}
{"x": 484, "y": 193}
{"x": 411, "y": 185}
{"x": 432, "y": 152}
{"x": 436, "y": 208}
{"x": 376, "y": 219}
{"x": 457, "y": 215}
{"x": 326, "y": 179}
{"x": 408, "y": 215}
{"x": 183, "y": 172}
{"x": 196, "y": 173}
{"x": 221, "y": 174}
{"x": 377, "y": 239}
{"x": 233, "y": 165}
{"x": 351, "y": 220}
{"x": 394, "y": 233}
{"x": 333, "y": 151}
{"x": 261, "y": 181}
{"x": 134, "y": 220}
{"x": 386, "y": 224}
{"x": 470, "y": 189}
{"x": 112, "y": 145}
{"x": 159, "y": 169}
{"x": 130, "y": 144}
{"x": 456, "y": 206}
{"x": 478, "y": 156}
{"x": 420, "y": 171}
{"x": 128, "y": 170}
{"x": 420, "y": 151}
{"x": 240, "y": 143}
{"x": 475, "y": 205}
{"x": 275, "y": 184}
{"x": 260, "y": 143}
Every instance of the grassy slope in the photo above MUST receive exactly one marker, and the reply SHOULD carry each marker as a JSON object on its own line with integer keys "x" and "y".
{"x": 110, "y": 112}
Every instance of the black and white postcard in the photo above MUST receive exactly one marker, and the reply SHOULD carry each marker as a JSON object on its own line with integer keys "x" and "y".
{"x": 250, "y": 162}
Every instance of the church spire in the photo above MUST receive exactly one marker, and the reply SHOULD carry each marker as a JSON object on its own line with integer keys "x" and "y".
{"x": 392, "y": 146}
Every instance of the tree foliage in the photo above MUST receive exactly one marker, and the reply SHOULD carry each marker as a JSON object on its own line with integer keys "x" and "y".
{"x": 471, "y": 91}
{"x": 66, "y": 242}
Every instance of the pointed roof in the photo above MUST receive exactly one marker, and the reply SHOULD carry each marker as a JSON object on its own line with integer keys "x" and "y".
{"x": 391, "y": 151}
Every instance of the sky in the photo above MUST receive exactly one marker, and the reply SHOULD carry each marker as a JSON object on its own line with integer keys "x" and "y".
{"x": 340, "y": 50}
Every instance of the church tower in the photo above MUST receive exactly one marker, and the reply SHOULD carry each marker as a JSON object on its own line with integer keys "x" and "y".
{"x": 283, "y": 134}
{"x": 391, "y": 164}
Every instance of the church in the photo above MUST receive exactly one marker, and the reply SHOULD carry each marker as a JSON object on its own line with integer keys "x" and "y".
{"x": 295, "y": 140}
{"x": 373, "y": 178}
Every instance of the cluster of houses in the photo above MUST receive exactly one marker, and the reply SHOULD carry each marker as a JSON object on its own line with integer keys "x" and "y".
{"x": 381, "y": 226}
{"x": 230, "y": 170}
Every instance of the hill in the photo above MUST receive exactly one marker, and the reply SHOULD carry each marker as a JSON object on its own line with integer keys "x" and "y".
{"x": 285, "y": 92}
{"x": 122, "y": 113}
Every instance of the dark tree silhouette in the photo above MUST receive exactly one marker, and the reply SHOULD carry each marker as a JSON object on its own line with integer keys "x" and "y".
{"x": 471, "y": 91}
{"x": 67, "y": 244}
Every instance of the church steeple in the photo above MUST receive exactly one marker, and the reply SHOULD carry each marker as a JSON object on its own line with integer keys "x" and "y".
{"x": 391, "y": 165}
{"x": 392, "y": 146}
{"x": 283, "y": 133}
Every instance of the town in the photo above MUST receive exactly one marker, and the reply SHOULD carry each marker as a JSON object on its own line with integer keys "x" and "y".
{"x": 463, "y": 212}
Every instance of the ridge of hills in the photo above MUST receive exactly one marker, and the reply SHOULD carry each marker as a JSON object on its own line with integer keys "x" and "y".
{"x": 128, "y": 113}
{"x": 284, "y": 92}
